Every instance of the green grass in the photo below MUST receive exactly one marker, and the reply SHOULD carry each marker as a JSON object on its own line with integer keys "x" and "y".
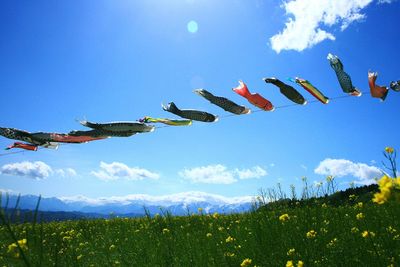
{"x": 220, "y": 240}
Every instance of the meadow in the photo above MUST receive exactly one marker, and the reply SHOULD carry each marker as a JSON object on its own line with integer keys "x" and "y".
{"x": 291, "y": 233}
{"x": 322, "y": 227}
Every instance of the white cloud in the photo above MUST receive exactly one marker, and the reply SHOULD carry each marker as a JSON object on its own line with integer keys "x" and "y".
{"x": 365, "y": 182}
{"x": 303, "y": 30}
{"x": 385, "y": 1}
{"x": 255, "y": 172}
{"x": 304, "y": 167}
{"x": 219, "y": 174}
{"x": 7, "y": 191}
{"x": 68, "y": 172}
{"x": 212, "y": 174}
{"x": 71, "y": 172}
{"x": 164, "y": 200}
{"x": 117, "y": 170}
{"x": 343, "y": 167}
{"x": 35, "y": 170}
{"x": 350, "y": 19}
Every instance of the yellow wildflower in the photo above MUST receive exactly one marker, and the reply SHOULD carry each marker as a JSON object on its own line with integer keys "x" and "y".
{"x": 332, "y": 243}
{"x": 300, "y": 264}
{"x": 354, "y": 230}
{"x": 246, "y": 262}
{"x": 385, "y": 182}
{"x": 291, "y": 252}
{"x": 112, "y": 247}
{"x": 289, "y": 264}
{"x": 66, "y": 238}
{"x": 311, "y": 234}
{"x": 324, "y": 205}
{"x": 380, "y": 198}
{"x": 323, "y": 230}
{"x": 385, "y": 187}
{"x": 389, "y": 149}
{"x": 229, "y": 239}
{"x": 215, "y": 215}
{"x": 229, "y": 254}
{"x": 284, "y": 217}
{"x": 366, "y": 234}
{"x": 359, "y": 205}
{"x": 22, "y": 244}
{"x": 360, "y": 216}
{"x": 12, "y": 247}
{"x": 352, "y": 197}
{"x": 165, "y": 231}
{"x": 209, "y": 234}
{"x": 200, "y": 210}
{"x": 391, "y": 230}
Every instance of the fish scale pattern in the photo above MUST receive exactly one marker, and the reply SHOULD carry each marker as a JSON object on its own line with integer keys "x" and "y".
{"x": 287, "y": 90}
{"x": 343, "y": 78}
{"x": 395, "y": 86}
{"x": 190, "y": 114}
{"x": 101, "y": 133}
{"x": 119, "y": 128}
{"x": 15, "y": 134}
{"x": 223, "y": 102}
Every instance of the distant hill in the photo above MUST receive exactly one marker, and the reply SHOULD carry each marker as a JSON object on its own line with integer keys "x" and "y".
{"x": 362, "y": 194}
{"x": 48, "y": 216}
{"x": 132, "y": 206}
{"x": 57, "y": 209}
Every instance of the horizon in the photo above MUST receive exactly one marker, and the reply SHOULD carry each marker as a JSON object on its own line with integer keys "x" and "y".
{"x": 118, "y": 62}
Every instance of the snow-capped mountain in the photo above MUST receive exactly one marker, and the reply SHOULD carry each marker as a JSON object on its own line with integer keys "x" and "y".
{"x": 176, "y": 204}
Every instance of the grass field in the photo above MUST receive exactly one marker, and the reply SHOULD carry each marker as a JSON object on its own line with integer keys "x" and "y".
{"x": 311, "y": 233}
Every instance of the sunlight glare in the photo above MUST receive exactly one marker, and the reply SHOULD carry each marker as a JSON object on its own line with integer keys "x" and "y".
{"x": 192, "y": 26}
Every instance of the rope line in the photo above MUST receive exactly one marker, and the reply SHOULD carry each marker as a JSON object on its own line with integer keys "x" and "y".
{"x": 277, "y": 107}
{"x": 14, "y": 152}
{"x": 225, "y": 116}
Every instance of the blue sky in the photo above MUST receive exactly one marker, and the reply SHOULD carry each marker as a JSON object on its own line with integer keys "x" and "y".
{"x": 119, "y": 60}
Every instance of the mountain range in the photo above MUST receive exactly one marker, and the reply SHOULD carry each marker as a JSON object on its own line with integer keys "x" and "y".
{"x": 131, "y": 205}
